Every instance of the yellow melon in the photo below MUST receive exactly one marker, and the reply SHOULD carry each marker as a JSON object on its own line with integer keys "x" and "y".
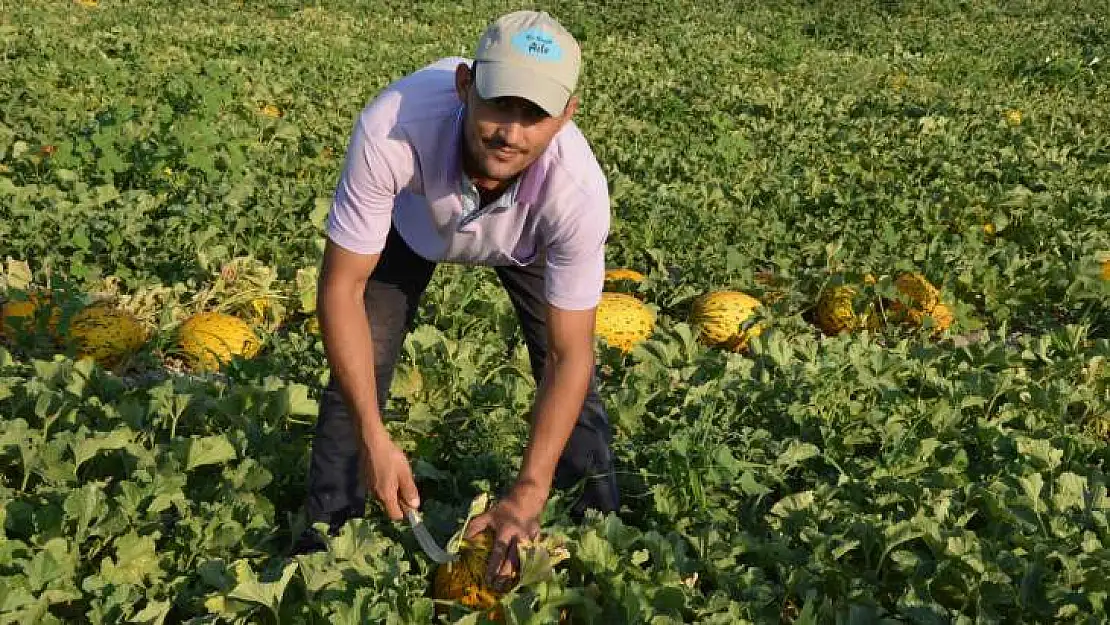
{"x": 623, "y": 321}
{"x": 210, "y": 340}
{"x": 106, "y": 334}
{"x": 21, "y": 315}
{"x": 616, "y": 275}
{"x": 463, "y": 581}
{"x": 836, "y": 312}
{"x": 719, "y": 317}
{"x": 925, "y": 301}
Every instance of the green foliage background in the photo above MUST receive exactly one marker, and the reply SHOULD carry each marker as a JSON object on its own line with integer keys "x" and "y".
{"x": 771, "y": 147}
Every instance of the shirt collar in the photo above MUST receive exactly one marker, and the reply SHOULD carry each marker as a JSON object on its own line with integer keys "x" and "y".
{"x": 508, "y": 198}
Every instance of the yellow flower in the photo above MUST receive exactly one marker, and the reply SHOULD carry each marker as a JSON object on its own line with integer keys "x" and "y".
{"x": 271, "y": 111}
{"x": 1013, "y": 117}
{"x": 988, "y": 229}
{"x": 87, "y": 3}
{"x": 899, "y": 82}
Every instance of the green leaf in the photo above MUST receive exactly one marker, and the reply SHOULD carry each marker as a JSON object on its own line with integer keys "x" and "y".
{"x": 5, "y": 384}
{"x": 250, "y": 589}
{"x": 321, "y": 206}
{"x": 317, "y": 571}
{"x": 1070, "y": 490}
{"x": 136, "y": 561}
{"x": 751, "y": 486}
{"x": 214, "y": 449}
{"x": 52, "y": 564}
{"x": 797, "y": 453}
{"x": 597, "y": 553}
{"x": 297, "y": 401}
{"x": 900, "y": 533}
{"x": 154, "y": 613}
{"x": 87, "y": 447}
{"x": 1033, "y": 484}
{"x": 84, "y": 506}
{"x": 790, "y": 504}
{"x": 1042, "y": 450}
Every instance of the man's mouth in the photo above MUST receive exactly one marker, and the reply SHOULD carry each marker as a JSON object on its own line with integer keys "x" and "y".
{"x": 504, "y": 154}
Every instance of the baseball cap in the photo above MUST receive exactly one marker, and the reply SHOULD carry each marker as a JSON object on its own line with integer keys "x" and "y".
{"x": 528, "y": 54}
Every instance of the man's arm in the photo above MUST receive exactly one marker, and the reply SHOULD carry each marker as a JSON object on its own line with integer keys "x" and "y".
{"x": 346, "y": 333}
{"x": 349, "y": 347}
{"x": 570, "y": 362}
{"x": 567, "y": 371}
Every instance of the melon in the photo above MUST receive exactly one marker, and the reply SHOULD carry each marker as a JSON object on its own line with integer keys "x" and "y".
{"x": 622, "y": 321}
{"x": 924, "y": 301}
{"x": 106, "y": 334}
{"x": 836, "y": 312}
{"x": 21, "y": 315}
{"x": 463, "y": 581}
{"x": 210, "y": 340}
{"x": 719, "y": 317}
{"x": 617, "y": 275}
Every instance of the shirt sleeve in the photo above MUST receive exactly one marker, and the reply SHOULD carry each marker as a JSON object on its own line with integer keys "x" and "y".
{"x": 362, "y": 209}
{"x": 575, "y": 263}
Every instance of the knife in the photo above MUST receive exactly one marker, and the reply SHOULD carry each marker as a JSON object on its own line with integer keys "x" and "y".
{"x": 427, "y": 543}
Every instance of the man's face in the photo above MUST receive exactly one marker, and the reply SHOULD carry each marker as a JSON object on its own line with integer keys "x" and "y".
{"x": 503, "y": 136}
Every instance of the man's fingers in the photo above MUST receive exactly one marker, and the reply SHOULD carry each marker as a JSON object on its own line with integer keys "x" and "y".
{"x": 508, "y": 564}
{"x": 410, "y": 495}
{"x": 477, "y": 525}
{"x": 388, "y": 498}
{"x": 496, "y": 558}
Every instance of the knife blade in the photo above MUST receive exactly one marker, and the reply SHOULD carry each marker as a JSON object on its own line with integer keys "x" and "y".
{"x": 427, "y": 543}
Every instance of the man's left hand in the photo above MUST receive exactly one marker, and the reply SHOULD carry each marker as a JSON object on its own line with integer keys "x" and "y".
{"x": 512, "y": 519}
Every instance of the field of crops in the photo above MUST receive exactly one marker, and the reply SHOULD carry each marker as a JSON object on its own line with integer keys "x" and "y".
{"x": 172, "y": 157}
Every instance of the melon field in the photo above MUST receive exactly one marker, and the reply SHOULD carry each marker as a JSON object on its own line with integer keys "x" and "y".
{"x": 160, "y": 160}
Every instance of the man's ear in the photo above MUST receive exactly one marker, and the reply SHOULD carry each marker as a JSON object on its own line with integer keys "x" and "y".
{"x": 464, "y": 78}
{"x": 569, "y": 110}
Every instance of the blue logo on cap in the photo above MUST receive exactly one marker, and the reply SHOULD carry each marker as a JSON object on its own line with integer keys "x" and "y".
{"x": 537, "y": 44}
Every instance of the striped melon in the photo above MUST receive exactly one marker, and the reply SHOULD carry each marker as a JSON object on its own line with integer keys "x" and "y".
{"x": 719, "y": 317}
{"x": 210, "y": 340}
{"x": 617, "y": 275}
{"x": 106, "y": 334}
{"x": 624, "y": 281}
{"x": 463, "y": 581}
{"x": 22, "y": 315}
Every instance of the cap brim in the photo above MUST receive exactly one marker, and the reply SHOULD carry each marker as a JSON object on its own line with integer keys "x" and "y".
{"x": 496, "y": 79}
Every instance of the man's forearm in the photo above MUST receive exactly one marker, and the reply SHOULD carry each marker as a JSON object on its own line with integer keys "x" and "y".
{"x": 558, "y": 404}
{"x": 349, "y": 347}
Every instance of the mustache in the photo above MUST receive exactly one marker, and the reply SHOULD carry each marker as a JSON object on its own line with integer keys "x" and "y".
{"x": 497, "y": 143}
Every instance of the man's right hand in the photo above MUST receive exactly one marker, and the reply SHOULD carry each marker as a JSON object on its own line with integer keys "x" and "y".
{"x": 389, "y": 477}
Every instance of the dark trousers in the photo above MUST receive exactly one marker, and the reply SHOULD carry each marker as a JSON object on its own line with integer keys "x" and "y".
{"x": 336, "y": 488}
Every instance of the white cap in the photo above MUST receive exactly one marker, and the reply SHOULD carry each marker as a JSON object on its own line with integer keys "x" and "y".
{"x": 528, "y": 54}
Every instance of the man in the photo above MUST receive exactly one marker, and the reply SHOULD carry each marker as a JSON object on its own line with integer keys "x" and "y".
{"x": 474, "y": 163}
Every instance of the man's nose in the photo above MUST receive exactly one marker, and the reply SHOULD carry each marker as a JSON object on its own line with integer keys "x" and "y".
{"x": 511, "y": 131}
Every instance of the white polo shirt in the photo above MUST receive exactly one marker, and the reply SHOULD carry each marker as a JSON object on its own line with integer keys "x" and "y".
{"x": 404, "y": 167}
